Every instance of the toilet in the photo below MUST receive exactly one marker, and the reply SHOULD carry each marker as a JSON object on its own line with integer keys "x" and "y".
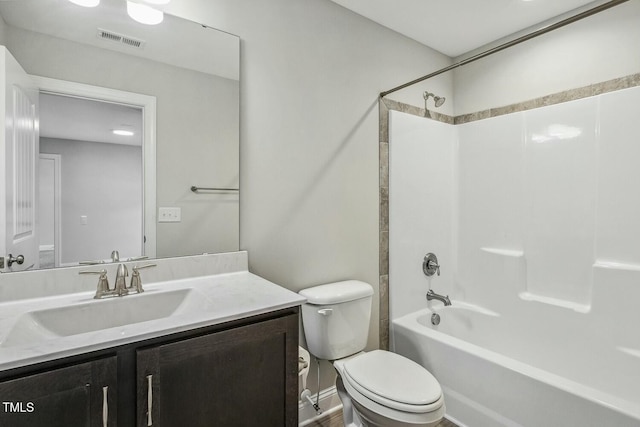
{"x": 377, "y": 388}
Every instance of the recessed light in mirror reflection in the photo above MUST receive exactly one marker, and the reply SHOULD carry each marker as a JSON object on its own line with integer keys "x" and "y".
{"x": 122, "y": 132}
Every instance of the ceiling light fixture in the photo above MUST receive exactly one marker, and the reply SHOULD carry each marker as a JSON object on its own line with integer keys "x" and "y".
{"x": 86, "y": 3}
{"x": 144, "y": 14}
{"x": 122, "y": 132}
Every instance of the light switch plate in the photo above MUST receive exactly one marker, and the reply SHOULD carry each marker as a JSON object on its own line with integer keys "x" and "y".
{"x": 169, "y": 214}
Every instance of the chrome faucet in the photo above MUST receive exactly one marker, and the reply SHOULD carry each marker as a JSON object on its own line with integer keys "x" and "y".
{"x": 120, "y": 289}
{"x": 121, "y": 280}
{"x": 443, "y": 299}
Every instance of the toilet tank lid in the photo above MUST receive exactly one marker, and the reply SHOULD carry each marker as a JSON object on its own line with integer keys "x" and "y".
{"x": 337, "y": 292}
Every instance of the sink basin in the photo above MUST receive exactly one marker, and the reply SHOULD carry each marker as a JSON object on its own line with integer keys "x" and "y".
{"x": 39, "y": 325}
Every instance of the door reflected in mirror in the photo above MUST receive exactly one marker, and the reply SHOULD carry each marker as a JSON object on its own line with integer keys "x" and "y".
{"x": 104, "y": 201}
{"x": 91, "y": 168}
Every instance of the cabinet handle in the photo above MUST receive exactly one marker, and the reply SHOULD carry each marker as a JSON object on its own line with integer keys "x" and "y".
{"x": 105, "y": 406}
{"x": 149, "y": 399}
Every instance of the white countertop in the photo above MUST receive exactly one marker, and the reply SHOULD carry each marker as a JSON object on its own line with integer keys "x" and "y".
{"x": 212, "y": 300}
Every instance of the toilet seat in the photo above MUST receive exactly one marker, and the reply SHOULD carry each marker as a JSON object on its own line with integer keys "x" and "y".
{"x": 392, "y": 381}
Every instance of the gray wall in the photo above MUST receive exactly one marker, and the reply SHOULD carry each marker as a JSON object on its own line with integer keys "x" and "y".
{"x": 599, "y": 48}
{"x": 3, "y": 36}
{"x": 46, "y": 207}
{"x": 311, "y": 72}
{"x": 102, "y": 182}
{"x": 190, "y": 150}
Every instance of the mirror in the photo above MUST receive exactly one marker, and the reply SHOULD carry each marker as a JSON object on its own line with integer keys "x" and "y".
{"x": 180, "y": 80}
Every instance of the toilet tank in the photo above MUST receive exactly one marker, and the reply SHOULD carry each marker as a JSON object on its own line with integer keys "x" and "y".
{"x": 336, "y": 318}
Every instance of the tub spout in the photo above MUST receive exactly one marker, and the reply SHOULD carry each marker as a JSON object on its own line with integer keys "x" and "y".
{"x": 443, "y": 299}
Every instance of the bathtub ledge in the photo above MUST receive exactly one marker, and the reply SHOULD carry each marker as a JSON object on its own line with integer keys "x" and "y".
{"x": 471, "y": 307}
{"x": 612, "y": 265}
{"x": 580, "y": 308}
{"x": 504, "y": 252}
{"x": 630, "y": 351}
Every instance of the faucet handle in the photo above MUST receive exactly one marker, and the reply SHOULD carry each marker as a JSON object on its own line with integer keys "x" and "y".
{"x": 103, "y": 282}
{"x": 136, "y": 280}
{"x": 430, "y": 265}
{"x": 435, "y": 265}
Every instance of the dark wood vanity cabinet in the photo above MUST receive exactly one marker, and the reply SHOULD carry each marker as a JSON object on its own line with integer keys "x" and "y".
{"x": 82, "y": 395}
{"x": 241, "y": 373}
{"x": 239, "y": 377}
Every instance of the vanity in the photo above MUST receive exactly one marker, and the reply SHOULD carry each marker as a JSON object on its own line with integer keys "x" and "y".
{"x": 213, "y": 345}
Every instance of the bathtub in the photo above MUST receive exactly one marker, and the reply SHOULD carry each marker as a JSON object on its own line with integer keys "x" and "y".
{"x": 497, "y": 370}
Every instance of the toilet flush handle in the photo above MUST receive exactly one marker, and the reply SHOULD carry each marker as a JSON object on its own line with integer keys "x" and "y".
{"x": 325, "y": 311}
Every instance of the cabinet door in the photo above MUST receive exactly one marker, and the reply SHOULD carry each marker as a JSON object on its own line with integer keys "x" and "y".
{"x": 245, "y": 376}
{"x": 82, "y": 395}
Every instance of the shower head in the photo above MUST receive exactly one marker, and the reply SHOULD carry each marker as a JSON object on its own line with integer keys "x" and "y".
{"x": 439, "y": 100}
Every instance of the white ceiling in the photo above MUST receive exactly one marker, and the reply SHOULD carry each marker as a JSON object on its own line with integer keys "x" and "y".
{"x": 81, "y": 119}
{"x": 455, "y": 27}
{"x": 175, "y": 41}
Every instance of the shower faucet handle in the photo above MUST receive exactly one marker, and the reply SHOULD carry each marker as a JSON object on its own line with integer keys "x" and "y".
{"x": 430, "y": 265}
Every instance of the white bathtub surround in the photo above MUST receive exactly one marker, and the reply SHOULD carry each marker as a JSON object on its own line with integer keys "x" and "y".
{"x": 539, "y": 198}
{"x": 552, "y": 184}
{"x": 559, "y": 203}
{"x": 210, "y": 289}
{"x": 421, "y": 197}
{"x": 544, "y": 235}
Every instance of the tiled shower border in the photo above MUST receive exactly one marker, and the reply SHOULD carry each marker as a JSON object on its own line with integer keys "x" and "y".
{"x": 385, "y": 105}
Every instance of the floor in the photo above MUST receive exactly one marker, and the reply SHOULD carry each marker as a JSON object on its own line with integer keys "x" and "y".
{"x": 335, "y": 420}
{"x": 446, "y": 423}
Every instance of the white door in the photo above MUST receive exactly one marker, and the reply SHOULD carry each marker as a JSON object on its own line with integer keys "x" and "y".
{"x": 49, "y": 210}
{"x": 20, "y": 145}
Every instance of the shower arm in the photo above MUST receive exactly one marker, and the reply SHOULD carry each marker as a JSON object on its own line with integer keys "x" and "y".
{"x": 529, "y": 36}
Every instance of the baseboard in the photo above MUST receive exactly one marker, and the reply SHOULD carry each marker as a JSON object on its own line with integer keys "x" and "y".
{"x": 329, "y": 402}
{"x": 455, "y": 421}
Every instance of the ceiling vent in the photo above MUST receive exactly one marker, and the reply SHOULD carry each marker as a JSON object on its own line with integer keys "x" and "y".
{"x": 120, "y": 38}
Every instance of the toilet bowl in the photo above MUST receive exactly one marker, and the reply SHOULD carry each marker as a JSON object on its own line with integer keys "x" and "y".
{"x": 389, "y": 390}
{"x": 377, "y": 388}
